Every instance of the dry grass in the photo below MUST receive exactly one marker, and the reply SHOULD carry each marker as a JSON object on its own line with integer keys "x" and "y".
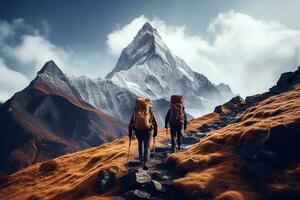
{"x": 72, "y": 176}
{"x": 195, "y": 124}
{"x": 214, "y": 168}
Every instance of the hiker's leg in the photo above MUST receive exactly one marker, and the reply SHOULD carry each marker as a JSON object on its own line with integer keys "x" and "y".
{"x": 173, "y": 136}
{"x": 147, "y": 140}
{"x": 140, "y": 145}
{"x": 179, "y": 136}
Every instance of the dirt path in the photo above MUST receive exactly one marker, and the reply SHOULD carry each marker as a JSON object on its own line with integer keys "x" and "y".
{"x": 160, "y": 172}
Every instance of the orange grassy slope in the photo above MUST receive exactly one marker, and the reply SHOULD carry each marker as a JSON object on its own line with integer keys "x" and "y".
{"x": 214, "y": 169}
{"x": 72, "y": 176}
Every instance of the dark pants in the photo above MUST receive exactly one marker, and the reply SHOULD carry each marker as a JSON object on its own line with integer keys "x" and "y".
{"x": 144, "y": 138}
{"x": 176, "y": 133}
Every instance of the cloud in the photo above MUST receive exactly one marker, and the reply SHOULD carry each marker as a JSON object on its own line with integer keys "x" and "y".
{"x": 247, "y": 53}
{"x": 35, "y": 50}
{"x": 30, "y": 46}
{"x": 25, "y": 49}
{"x": 120, "y": 38}
{"x": 10, "y": 81}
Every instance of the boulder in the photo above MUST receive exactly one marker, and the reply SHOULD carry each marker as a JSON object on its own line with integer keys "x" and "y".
{"x": 234, "y": 102}
{"x": 272, "y": 158}
{"x": 260, "y": 171}
{"x": 106, "y": 181}
{"x": 137, "y": 195}
{"x": 231, "y": 105}
{"x": 249, "y": 147}
{"x": 159, "y": 176}
{"x": 250, "y": 100}
{"x": 155, "y": 186}
{"x": 219, "y": 109}
{"x": 286, "y": 79}
{"x": 285, "y": 142}
{"x": 135, "y": 179}
{"x": 205, "y": 128}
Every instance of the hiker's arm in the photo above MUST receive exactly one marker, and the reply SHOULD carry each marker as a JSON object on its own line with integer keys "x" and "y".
{"x": 154, "y": 121}
{"x": 167, "y": 119}
{"x": 130, "y": 127}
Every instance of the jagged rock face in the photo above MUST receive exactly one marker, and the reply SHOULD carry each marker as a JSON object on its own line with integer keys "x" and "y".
{"x": 287, "y": 79}
{"x": 49, "y": 118}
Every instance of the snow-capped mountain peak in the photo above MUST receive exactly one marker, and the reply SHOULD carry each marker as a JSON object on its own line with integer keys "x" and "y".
{"x": 51, "y": 69}
{"x": 51, "y": 79}
{"x": 148, "y": 68}
{"x": 145, "y": 44}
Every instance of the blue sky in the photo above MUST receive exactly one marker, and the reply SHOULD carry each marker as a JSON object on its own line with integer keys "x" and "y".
{"x": 229, "y": 41}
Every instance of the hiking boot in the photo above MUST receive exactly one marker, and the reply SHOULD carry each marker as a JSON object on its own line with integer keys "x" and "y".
{"x": 173, "y": 150}
{"x": 145, "y": 166}
{"x": 141, "y": 161}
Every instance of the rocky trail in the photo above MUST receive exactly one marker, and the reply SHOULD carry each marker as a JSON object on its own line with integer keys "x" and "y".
{"x": 156, "y": 182}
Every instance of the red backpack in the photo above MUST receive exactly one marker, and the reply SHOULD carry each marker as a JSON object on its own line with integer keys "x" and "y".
{"x": 177, "y": 110}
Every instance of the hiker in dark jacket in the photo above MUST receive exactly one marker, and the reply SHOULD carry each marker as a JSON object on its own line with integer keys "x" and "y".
{"x": 176, "y": 124}
{"x": 143, "y": 132}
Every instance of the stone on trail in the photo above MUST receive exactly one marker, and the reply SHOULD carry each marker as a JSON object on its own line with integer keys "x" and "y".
{"x": 106, "y": 181}
{"x": 155, "y": 186}
{"x": 137, "y": 195}
{"x": 135, "y": 178}
{"x": 158, "y": 176}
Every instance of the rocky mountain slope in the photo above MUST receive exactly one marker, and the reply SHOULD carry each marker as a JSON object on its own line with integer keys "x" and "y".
{"x": 146, "y": 67}
{"x": 48, "y": 119}
{"x": 250, "y": 151}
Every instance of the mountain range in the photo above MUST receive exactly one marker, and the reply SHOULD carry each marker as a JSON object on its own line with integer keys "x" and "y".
{"x": 147, "y": 67}
{"x": 58, "y": 114}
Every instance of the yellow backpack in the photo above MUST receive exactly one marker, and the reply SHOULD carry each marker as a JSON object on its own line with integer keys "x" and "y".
{"x": 142, "y": 114}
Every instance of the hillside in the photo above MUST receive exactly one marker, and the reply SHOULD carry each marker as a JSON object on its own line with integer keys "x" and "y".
{"x": 254, "y": 158}
{"x": 250, "y": 151}
{"x": 49, "y": 119}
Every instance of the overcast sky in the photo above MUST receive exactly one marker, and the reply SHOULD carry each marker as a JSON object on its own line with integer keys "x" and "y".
{"x": 246, "y": 44}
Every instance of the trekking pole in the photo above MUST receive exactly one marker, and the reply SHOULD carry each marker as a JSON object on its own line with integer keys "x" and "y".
{"x": 128, "y": 155}
{"x": 168, "y": 140}
{"x": 154, "y": 151}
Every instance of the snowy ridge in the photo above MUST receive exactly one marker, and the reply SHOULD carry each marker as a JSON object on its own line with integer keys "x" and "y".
{"x": 104, "y": 94}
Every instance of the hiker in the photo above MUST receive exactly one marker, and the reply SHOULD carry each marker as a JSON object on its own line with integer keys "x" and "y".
{"x": 143, "y": 122}
{"x": 176, "y": 119}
